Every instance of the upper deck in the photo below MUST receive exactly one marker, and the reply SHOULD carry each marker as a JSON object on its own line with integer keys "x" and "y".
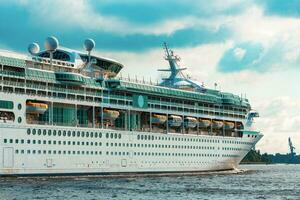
{"x": 72, "y": 68}
{"x": 69, "y": 88}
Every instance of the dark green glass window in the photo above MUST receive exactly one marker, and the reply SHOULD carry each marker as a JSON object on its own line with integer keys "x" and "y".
{"x": 6, "y": 104}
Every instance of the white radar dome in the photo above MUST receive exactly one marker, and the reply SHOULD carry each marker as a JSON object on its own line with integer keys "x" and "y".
{"x": 51, "y": 43}
{"x": 89, "y": 44}
{"x": 33, "y": 48}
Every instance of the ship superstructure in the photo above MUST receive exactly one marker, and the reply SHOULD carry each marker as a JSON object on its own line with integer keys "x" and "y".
{"x": 67, "y": 112}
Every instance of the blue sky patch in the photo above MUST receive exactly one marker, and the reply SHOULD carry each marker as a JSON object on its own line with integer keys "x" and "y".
{"x": 243, "y": 56}
{"x": 288, "y": 8}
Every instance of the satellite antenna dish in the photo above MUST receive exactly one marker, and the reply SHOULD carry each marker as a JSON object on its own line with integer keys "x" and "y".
{"x": 33, "y": 48}
{"x": 51, "y": 44}
{"x": 89, "y": 44}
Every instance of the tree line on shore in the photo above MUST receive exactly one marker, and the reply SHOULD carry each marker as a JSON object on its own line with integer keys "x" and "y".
{"x": 256, "y": 157}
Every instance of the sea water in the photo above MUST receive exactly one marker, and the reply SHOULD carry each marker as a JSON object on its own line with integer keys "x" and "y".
{"x": 257, "y": 182}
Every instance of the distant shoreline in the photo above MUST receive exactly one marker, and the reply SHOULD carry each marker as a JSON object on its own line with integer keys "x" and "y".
{"x": 265, "y": 163}
{"x": 260, "y": 163}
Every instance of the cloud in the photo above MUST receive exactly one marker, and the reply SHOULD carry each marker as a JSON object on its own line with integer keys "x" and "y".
{"x": 256, "y": 57}
{"x": 239, "y": 53}
{"x": 280, "y": 119}
{"x": 151, "y": 12}
{"x": 277, "y": 41}
{"x": 241, "y": 57}
{"x": 32, "y": 19}
{"x": 132, "y": 17}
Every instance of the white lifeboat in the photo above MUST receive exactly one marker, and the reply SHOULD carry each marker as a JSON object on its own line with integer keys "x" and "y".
{"x": 190, "y": 122}
{"x": 36, "y": 108}
{"x": 158, "y": 119}
{"x": 204, "y": 123}
{"x": 110, "y": 114}
{"x": 228, "y": 125}
{"x": 174, "y": 121}
{"x": 216, "y": 124}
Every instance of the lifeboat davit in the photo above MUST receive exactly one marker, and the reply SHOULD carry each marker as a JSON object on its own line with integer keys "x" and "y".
{"x": 216, "y": 124}
{"x": 228, "y": 125}
{"x": 174, "y": 121}
{"x": 190, "y": 122}
{"x": 204, "y": 123}
{"x": 36, "y": 108}
{"x": 110, "y": 114}
{"x": 158, "y": 119}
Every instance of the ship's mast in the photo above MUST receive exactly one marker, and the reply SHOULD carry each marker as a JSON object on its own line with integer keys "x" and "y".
{"x": 177, "y": 79}
{"x": 174, "y": 68}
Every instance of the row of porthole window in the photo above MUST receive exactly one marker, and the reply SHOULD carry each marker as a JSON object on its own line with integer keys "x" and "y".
{"x": 173, "y": 162}
{"x": 63, "y": 133}
{"x": 71, "y": 133}
{"x": 231, "y": 149}
{"x": 148, "y": 137}
{"x": 173, "y": 138}
{"x": 159, "y": 146}
{"x": 49, "y": 142}
{"x": 54, "y": 142}
{"x": 234, "y": 142}
{"x": 68, "y": 152}
{"x": 252, "y": 135}
{"x": 59, "y": 152}
{"x": 175, "y": 154}
{"x": 229, "y": 155}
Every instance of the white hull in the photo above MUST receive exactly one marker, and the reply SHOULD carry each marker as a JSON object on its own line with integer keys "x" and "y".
{"x": 116, "y": 155}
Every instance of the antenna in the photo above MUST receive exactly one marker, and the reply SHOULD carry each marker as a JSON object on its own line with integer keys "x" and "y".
{"x": 166, "y": 48}
{"x": 33, "y": 48}
{"x": 292, "y": 148}
{"x": 51, "y": 44}
{"x": 89, "y": 44}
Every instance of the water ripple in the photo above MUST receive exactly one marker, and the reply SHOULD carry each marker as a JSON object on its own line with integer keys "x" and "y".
{"x": 261, "y": 182}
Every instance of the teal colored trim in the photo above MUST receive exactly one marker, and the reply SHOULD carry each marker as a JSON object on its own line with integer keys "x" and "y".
{"x": 6, "y": 104}
{"x": 170, "y": 92}
{"x": 251, "y": 132}
{"x": 70, "y": 78}
{"x": 12, "y": 61}
{"x": 140, "y": 101}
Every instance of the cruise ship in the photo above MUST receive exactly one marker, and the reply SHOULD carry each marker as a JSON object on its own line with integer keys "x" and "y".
{"x": 68, "y": 112}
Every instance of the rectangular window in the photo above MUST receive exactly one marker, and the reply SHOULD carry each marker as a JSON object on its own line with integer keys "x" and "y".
{"x": 6, "y": 104}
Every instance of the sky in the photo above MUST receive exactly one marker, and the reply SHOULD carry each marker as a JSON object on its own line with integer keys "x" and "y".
{"x": 247, "y": 47}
